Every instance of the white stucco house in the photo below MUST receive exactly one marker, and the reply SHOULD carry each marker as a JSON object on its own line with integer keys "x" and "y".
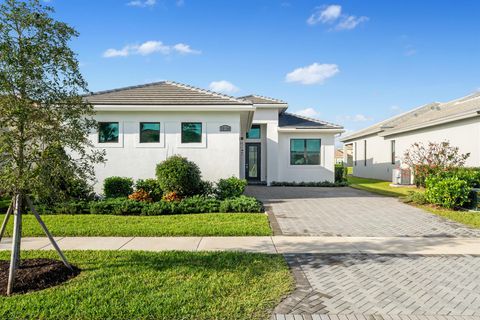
{"x": 378, "y": 149}
{"x": 251, "y": 137}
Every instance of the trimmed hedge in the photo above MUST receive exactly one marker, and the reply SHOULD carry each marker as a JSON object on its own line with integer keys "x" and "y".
{"x": 340, "y": 173}
{"x": 447, "y": 192}
{"x": 178, "y": 174}
{"x": 309, "y": 184}
{"x": 124, "y": 206}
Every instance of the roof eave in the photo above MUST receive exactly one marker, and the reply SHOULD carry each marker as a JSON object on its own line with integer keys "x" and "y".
{"x": 192, "y": 107}
{"x": 310, "y": 130}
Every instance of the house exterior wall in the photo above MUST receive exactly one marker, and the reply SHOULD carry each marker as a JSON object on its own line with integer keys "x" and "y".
{"x": 218, "y": 156}
{"x": 464, "y": 134}
{"x": 307, "y": 173}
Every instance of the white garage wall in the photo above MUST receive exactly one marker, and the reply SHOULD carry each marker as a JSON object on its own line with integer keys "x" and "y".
{"x": 325, "y": 171}
{"x": 217, "y": 156}
{"x": 378, "y": 164}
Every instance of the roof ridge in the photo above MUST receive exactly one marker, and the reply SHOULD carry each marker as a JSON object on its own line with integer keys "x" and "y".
{"x": 190, "y": 87}
{"x": 264, "y": 97}
{"x": 313, "y": 119}
{"x": 126, "y": 88}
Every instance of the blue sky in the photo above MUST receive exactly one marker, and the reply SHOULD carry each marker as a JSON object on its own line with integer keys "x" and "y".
{"x": 348, "y": 62}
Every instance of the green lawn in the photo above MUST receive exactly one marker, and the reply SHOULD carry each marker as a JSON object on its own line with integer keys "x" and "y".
{"x": 168, "y": 285}
{"x": 471, "y": 219}
{"x": 379, "y": 186}
{"x": 209, "y": 224}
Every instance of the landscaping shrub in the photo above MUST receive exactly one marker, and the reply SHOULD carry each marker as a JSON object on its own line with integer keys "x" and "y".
{"x": 117, "y": 187}
{"x": 415, "y": 197}
{"x": 197, "y": 204}
{"x": 230, "y": 187}
{"x": 129, "y": 208}
{"x": 206, "y": 188}
{"x": 4, "y": 204}
{"x": 340, "y": 173}
{"x": 140, "y": 195}
{"x": 158, "y": 208}
{"x": 241, "y": 204}
{"x": 171, "y": 196}
{"x": 151, "y": 186}
{"x": 309, "y": 184}
{"x": 447, "y": 192}
{"x": 72, "y": 207}
{"x": 177, "y": 174}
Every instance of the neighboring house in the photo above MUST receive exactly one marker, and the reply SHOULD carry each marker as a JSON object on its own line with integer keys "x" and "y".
{"x": 250, "y": 137}
{"x": 339, "y": 156}
{"x": 378, "y": 149}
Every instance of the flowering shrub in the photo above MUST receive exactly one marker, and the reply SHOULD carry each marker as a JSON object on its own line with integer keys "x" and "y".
{"x": 430, "y": 159}
{"x": 140, "y": 195}
{"x": 171, "y": 196}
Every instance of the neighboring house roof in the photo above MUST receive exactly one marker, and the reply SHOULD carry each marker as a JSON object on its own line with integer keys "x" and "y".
{"x": 424, "y": 116}
{"x": 338, "y": 153}
{"x": 289, "y": 120}
{"x": 256, "y": 99}
{"x": 162, "y": 93}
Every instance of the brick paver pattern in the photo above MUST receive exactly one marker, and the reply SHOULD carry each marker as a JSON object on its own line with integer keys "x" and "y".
{"x": 351, "y": 212}
{"x": 394, "y": 285}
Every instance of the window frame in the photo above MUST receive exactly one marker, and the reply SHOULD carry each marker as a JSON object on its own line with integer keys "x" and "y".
{"x": 355, "y": 154}
{"x": 182, "y": 137}
{"x": 140, "y": 132}
{"x": 305, "y": 152}
{"x": 108, "y": 142}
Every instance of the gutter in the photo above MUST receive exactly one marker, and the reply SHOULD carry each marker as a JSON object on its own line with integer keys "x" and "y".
{"x": 310, "y": 130}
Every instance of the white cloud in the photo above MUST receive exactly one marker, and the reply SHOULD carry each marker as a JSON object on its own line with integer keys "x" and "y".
{"x": 185, "y": 49}
{"x": 313, "y": 74}
{"x": 308, "y": 112}
{"x": 332, "y": 14}
{"x": 350, "y": 22}
{"x": 180, "y": 3}
{"x": 149, "y": 47}
{"x": 142, "y": 4}
{"x": 223, "y": 86}
{"x": 325, "y": 14}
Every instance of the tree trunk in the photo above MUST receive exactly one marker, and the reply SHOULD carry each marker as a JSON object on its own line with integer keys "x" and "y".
{"x": 16, "y": 241}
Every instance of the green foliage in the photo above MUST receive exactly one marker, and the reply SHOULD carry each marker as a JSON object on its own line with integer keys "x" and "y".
{"x": 177, "y": 174}
{"x": 117, "y": 206}
{"x": 415, "y": 197}
{"x": 151, "y": 186}
{"x": 41, "y": 102}
{"x": 340, "y": 173}
{"x": 230, "y": 187}
{"x": 117, "y": 187}
{"x": 309, "y": 184}
{"x": 158, "y": 208}
{"x": 57, "y": 179}
{"x": 241, "y": 204}
{"x": 197, "y": 204}
{"x": 447, "y": 192}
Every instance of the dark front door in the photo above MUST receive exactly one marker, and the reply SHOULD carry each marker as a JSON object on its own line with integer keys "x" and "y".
{"x": 252, "y": 161}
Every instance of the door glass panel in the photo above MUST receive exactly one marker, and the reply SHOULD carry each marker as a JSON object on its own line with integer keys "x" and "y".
{"x": 252, "y": 162}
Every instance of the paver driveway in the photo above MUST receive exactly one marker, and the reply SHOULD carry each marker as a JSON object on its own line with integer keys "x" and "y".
{"x": 351, "y": 213}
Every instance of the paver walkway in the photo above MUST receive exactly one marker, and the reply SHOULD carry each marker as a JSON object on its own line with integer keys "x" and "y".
{"x": 350, "y": 212}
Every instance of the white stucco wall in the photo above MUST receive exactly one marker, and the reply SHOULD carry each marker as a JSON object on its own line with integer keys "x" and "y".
{"x": 218, "y": 156}
{"x": 464, "y": 134}
{"x": 322, "y": 172}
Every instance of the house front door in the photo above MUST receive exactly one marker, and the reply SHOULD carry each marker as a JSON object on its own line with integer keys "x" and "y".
{"x": 252, "y": 162}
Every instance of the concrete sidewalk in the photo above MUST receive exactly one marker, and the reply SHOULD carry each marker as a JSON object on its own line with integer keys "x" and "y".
{"x": 274, "y": 244}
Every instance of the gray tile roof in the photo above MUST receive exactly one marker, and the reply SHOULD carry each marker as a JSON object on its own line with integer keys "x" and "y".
{"x": 289, "y": 120}
{"x": 256, "y": 99}
{"x": 423, "y": 116}
{"x": 162, "y": 93}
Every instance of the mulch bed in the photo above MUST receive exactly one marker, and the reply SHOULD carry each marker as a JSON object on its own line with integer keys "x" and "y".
{"x": 36, "y": 274}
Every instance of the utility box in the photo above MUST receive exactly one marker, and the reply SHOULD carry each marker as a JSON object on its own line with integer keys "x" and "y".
{"x": 402, "y": 176}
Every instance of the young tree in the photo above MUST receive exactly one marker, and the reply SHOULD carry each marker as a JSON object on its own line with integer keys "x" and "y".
{"x": 41, "y": 107}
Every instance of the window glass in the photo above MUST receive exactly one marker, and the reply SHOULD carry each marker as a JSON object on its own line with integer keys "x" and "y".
{"x": 393, "y": 151}
{"x": 149, "y": 132}
{"x": 254, "y": 132}
{"x": 108, "y": 132}
{"x": 191, "y": 132}
{"x": 305, "y": 151}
